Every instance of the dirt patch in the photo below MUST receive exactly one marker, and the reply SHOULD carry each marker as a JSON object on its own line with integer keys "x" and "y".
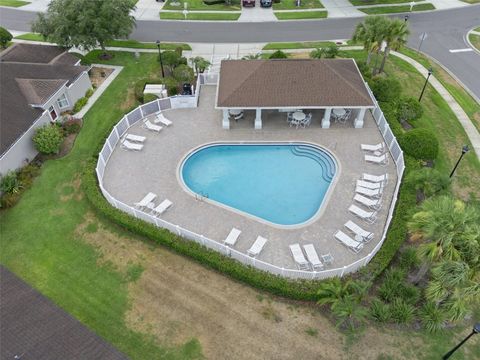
{"x": 70, "y": 190}
{"x": 129, "y": 101}
{"x": 176, "y": 300}
{"x": 98, "y": 75}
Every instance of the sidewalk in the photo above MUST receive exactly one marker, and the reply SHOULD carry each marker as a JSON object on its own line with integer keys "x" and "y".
{"x": 148, "y": 10}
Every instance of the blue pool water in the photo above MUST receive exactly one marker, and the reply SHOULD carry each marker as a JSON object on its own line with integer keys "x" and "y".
{"x": 281, "y": 183}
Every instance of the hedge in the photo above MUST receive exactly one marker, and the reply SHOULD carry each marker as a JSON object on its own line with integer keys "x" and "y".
{"x": 421, "y": 144}
{"x": 213, "y": 2}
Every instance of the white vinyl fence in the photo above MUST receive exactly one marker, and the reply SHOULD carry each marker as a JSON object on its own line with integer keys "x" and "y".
{"x": 191, "y": 101}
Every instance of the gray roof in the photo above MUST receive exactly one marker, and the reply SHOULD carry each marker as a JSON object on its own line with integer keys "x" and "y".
{"x": 291, "y": 83}
{"x": 35, "y": 328}
{"x": 30, "y": 75}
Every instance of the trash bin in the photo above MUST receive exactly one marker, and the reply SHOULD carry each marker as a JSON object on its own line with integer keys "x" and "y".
{"x": 186, "y": 89}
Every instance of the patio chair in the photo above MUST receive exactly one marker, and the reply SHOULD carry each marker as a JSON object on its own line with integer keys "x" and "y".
{"x": 238, "y": 116}
{"x": 381, "y": 160}
{"x": 373, "y": 148}
{"x": 373, "y": 193}
{"x": 343, "y": 119}
{"x": 312, "y": 257}
{"x": 373, "y": 204}
{"x": 257, "y": 247}
{"x": 346, "y": 240}
{"x": 376, "y": 178}
{"x": 300, "y": 261}
{"x": 307, "y": 121}
{"x": 368, "y": 216}
{"x": 358, "y": 231}
{"x": 160, "y": 209}
{"x": 135, "y": 138}
{"x": 162, "y": 119}
{"x": 232, "y": 237}
{"x": 131, "y": 146}
{"x": 369, "y": 185}
{"x": 152, "y": 127}
{"x": 147, "y": 199}
{"x": 294, "y": 122}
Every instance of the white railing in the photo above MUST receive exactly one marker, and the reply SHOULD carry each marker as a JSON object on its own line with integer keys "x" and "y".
{"x": 179, "y": 101}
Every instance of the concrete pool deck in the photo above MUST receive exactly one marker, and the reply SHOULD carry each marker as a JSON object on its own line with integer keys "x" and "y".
{"x": 130, "y": 175}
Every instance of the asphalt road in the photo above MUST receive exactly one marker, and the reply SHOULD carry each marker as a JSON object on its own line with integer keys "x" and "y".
{"x": 445, "y": 30}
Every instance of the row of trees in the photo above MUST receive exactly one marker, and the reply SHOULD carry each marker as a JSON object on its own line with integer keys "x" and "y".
{"x": 380, "y": 33}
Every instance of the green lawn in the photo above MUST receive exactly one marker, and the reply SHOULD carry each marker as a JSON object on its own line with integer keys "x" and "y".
{"x": 376, "y": 2}
{"x": 40, "y": 237}
{"x": 471, "y": 1}
{"x": 290, "y": 5}
{"x": 200, "y": 5}
{"x": 297, "y": 45}
{"x": 292, "y": 15}
{"x": 396, "y": 9}
{"x": 199, "y": 16}
{"x": 469, "y": 105}
{"x": 13, "y": 3}
{"x": 475, "y": 40}
{"x": 133, "y": 44}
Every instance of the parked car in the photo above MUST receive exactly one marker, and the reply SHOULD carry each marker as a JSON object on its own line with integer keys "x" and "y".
{"x": 266, "y": 3}
{"x": 246, "y": 3}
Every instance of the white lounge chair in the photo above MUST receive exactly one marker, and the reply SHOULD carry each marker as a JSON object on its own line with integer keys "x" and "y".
{"x": 257, "y": 246}
{"x": 147, "y": 199}
{"x": 373, "y": 148}
{"x": 358, "y": 231}
{"x": 232, "y": 237}
{"x": 135, "y": 138}
{"x": 302, "y": 263}
{"x": 373, "y": 204}
{"x": 152, "y": 127}
{"x": 164, "y": 205}
{"x": 131, "y": 146}
{"x": 369, "y": 185}
{"x": 381, "y": 160}
{"x": 367, "y": 216}
{"x": 346, "y": 240}
{"x": 162, "y": 119}
{"x": 312, "y": 257}
{"x": 376, "y": 178}
{"x": 373, "y": 193}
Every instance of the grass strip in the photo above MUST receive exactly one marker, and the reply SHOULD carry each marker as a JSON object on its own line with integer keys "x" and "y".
{"x": 396, "y": 9}
{"x": 291, "y": 5}
{"x": 377, "y": 2}
{"x": 13, "y": 3}
{"x": 199, "y": 5}
{"x": 199, "y": 16}
{"x": 292, "y": 15}
{"x": 297, "y": 45}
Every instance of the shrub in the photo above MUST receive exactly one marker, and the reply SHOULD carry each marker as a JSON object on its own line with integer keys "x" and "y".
{"x": 279, "y": 54}
{"x": 432, "y": 317}
{"x": 183, "y": 74}
{"x": 213, "y": 2}
{"x": 429, "y": 181}
{"x": 5, "y": 37}
{"x": 9, "y": 183}
{"x": 386, "y": 89}
{"x": 179, "y": 50}
{"x": 402, "y": 312}
{"x": 408, "y": 259}
{"x": 27, "y": 173}
{"x": 379, "y": 311}
{"x": 421, "y": 144}
{"x": 391, "y": 285}
{"x": 8, "y": 199}
{"x": 171, "y": 84}
{"x": 409, "y": 109}
{"x": 149, "y": 97}
{"x": 72, "y": 126}
{"x": 79, "y": 104}
{"x": 48, "y": 139}
{"x": 170, "y": 59}
{"x": 330, "y": 52}
{"x": 89, "y": 93}
{"x": 316, "y": 54}
{"x": 365, "y": 70}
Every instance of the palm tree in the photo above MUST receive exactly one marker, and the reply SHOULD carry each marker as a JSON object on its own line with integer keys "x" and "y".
{"x": 395, "y": 36}
{"x": 317, "y": 53}
{"x": 371, "y": 33}
{"x": 333, "y": 290}
{"x": 252, "y": 56}
{"x": 349, "y": 312}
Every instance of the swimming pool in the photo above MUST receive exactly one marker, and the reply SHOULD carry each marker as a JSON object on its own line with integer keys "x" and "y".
{"x": 280, "y": 183}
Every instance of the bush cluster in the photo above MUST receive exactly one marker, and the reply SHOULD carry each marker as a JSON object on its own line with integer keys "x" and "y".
{"x": 421, "y": 144}
{"x": 5, "y": 37}
{"x": 72, "y": 126}
{"x": 48, "y": 138}
{"x": 14, "y": 183}
{"x": 386, "y": 89}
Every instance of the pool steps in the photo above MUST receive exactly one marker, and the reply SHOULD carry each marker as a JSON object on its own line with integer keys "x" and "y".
{"x": 326, "y": 163}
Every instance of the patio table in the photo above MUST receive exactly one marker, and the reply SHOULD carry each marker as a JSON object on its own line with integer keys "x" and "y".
{"x": 339, "y": 112}
{"x": 235, "y": 112}
{"x": 299, "y": 115}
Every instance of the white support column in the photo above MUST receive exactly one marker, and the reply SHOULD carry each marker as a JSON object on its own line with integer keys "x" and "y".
{"x": 326, "y": 118}
{"x": 226, "y": 119}
{"x": 358, "y": 122}
{"x": 258, "y": 119}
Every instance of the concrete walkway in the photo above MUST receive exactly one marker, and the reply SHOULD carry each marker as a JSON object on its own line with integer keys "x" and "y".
{"x": 148, "y": 10}
{"x": 341, "y": 8}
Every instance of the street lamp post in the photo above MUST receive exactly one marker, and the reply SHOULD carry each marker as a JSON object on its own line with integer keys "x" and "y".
{"x": 465, "y": 149}
{"x": 475, "y": 330}
{"x": 430, "y": 72}
{"x": 160, "y": 57}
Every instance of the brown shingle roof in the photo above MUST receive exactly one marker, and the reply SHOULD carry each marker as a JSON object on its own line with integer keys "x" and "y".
{"x": 34, "y": 328}
{"x": 291, "y": 83}
{"x": 23, "y": 82}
